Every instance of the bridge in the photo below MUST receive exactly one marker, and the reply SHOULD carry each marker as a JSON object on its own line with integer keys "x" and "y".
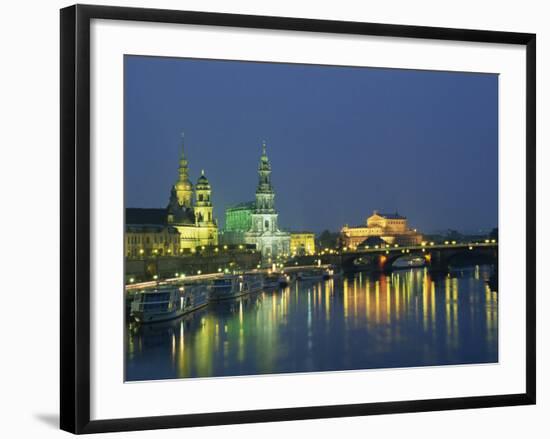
{"x": 437, "y": 257}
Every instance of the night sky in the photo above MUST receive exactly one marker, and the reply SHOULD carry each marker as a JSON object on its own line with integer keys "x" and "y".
{"x": 342, "y": 141}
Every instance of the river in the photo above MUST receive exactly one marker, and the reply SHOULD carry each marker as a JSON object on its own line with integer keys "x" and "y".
{"x": 404, "y": 319}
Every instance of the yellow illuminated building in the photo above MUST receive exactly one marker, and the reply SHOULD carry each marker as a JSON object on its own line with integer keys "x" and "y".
{"x": 302, "y": 243}
{"x": 392, "y": 228}
{"x": 150, "y": 240}
{"x": 191, "y": 212}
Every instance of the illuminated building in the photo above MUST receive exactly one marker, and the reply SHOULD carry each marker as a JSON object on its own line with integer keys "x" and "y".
{"x": 256, "y": 222}
{"x": 194, "y": 221}
{"x": 302, "y": 243}
{"x": 143, "y": 240}
{"x": 390, "y": 227}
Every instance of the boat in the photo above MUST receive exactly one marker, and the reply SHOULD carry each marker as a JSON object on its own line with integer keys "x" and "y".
{"x": 271, "y": 281}
{"x": 310, "y": 275}
{"x": 236, "y": 285}
{"x": 284, "y": 280}
{"x": 276, "y": 279}
{"x": 195, "y": 296}
{"x": 328, "y": 273}
{"x": 157, "y": 305}
{"x": 412, "y": 262}
{"x": 167, "y": 302}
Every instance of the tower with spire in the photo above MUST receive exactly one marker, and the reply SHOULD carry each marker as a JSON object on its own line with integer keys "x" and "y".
{"x": 194, "y": 220}
{"x": 265, "y": 195}
{"x": 183, "y": 186}
{"x": 264, "y": 231}
{"x": 256, "y": 222}
{"x": 203, "y": 203}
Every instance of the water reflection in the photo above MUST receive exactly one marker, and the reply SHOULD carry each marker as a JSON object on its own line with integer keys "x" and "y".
{"x": 407, "y": 318}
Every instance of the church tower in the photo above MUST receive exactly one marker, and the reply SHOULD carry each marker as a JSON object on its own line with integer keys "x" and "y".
{"x": 207, "y": 229}
{"x": 184, "y": 188}
{"x": 203, "y": 203}
{"x": 265, "y": 195}
{"x": 264, "y": 217}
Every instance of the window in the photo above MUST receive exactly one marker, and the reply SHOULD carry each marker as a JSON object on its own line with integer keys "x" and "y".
{"x": 266, "y": 224}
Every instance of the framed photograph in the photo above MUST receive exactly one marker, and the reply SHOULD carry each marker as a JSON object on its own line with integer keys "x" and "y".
{"x": 268, "y": 218}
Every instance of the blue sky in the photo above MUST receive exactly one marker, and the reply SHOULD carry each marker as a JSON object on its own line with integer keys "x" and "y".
{"x": 343, "y": 141}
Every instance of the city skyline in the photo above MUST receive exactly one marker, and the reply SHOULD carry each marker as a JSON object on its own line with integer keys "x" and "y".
{"x": 321, "y": 181}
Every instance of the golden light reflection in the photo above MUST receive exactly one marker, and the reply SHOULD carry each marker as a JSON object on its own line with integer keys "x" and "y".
{"x": 261, "y": 329}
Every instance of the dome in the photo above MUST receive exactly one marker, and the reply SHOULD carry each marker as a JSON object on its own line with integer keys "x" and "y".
{"x": 203, "y": 181}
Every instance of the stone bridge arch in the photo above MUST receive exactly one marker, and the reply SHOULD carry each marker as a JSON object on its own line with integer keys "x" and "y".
{"x": 437, "y": 259}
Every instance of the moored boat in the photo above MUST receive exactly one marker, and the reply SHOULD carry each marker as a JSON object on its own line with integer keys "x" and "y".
{"x": 412, "y": 262}
{"x": 310, "y": 275}
{"x": 167, "y": 302}
{"x": 157, "y": 305}
{"x": 237, "y": 285}
{"x": 195, "y": 296}
{"x": 284, "y": 280}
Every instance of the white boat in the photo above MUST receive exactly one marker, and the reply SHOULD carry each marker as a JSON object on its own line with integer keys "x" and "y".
{"x": 310, "y": 275}
{"x": 195, "y": 296}
{"x": 276, "y": 279}
{"x": 413, "y": 262}
{"x": 233, "y": 286}
{"x": 167, "y": 302}
{"x": 157, "y": 305}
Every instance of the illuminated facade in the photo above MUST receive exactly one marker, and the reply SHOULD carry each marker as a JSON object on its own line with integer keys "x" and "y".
{"x": 257, "y": 222}
{"x": 302, "y": 243}
{"x": 392, "y": 228}
{"x": 150, "y": 240}
{"x": 191, "y": 212}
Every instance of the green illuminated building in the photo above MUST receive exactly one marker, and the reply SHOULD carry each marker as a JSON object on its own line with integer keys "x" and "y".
{"x": 255, "y": 222}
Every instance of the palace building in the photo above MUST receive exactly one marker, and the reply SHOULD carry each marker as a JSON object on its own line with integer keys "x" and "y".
{"x": 256, "y": 222}
{"x": 391, "y": 228}
{"x": 191, "y": 212}
{"x": 144, "y": 240}
{"x": 302, "y": 243}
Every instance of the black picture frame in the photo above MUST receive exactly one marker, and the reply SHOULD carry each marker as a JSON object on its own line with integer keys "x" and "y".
{"x": 75, "y": 217}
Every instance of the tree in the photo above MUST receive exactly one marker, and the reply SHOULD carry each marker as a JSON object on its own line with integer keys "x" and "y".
{"x": 327, "y": 239}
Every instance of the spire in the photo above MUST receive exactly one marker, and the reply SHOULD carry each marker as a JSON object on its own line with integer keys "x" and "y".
{"x": 202, "y": 171}
{"x": 264, "y": 193}
{"x": 183, "y": 185}
{"x": 182, "y": 156}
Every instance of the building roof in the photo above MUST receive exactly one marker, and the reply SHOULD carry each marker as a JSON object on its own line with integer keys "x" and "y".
{"x": 390, "y": 215}
{"x": 249, "y": 205}
{"x": 301, "y": 232}
{"x": 145, "y": 216}
{"x": 150, "y": 228}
